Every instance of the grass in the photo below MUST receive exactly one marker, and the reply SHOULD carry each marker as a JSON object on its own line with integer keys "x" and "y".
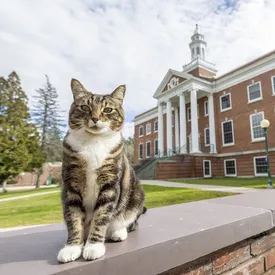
{"x": 17, "y": 193}
{"x": 234, "y": 182}
{"x": 47, "y": 209}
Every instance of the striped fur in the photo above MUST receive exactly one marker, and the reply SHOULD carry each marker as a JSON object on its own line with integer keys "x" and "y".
{"x": 102, "y": 197}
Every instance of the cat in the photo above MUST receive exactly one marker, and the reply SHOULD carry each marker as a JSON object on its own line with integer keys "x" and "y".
{"x": 101, "y": 196}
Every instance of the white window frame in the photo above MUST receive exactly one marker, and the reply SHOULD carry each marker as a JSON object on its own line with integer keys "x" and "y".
{"x": 150, "y": 149}
{"x": 155, "y": 147}
{"x": 257, "y": 99}
{"x": 255, "y": 168}
{"x": 232, "y": 143}
{"x": 205, "y": 144}
{"x": 251, "y": 130}
{"x": 210, "y": 169}
{"x": 225, "y": 173}
{"x": 226, "y": 109}
{"x": 206, "y": 103}
{"x": 149, "y": 133}
{"x": 155, "y": 131}
{"x": 273, "y": 85}
{"x": 188, "y": 117}
{"x": 139, "y": 150}
{"x": 142, "y": 131}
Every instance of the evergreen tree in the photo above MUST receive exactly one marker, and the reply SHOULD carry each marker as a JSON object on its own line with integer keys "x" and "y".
{"x": 129, "y": 148}
{"x": 47, "y": 116}
{"x": 18, "y": 137}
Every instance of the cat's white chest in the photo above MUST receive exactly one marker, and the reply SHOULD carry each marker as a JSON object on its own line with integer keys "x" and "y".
{"x": 94, "y": 150}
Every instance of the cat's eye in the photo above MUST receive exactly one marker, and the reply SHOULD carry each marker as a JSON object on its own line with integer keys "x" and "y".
{"x": 107, "y": 110}
{"x": 85, "y": 108}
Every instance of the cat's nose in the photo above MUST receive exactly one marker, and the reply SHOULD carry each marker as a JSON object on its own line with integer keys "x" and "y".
{"x": 95, "y": 119}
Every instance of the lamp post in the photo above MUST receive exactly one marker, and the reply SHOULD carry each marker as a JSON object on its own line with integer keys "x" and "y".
{"x": 265, "y": 124}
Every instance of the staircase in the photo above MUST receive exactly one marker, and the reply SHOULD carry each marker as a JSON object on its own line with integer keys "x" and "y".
{"x": 146, "y": 170}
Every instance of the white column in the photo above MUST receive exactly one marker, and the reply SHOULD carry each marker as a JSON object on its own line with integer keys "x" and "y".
{"x": 212, "y": 131}
{"x": 160, "y": 129}
{"x": 194, "y": 122}
{"x": 177, "y": 136}
{"x": 183, "y": 140}
{"x": 169, "y": 126}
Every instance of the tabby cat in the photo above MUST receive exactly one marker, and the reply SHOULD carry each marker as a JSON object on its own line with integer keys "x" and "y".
{"x": 102, "y": 197}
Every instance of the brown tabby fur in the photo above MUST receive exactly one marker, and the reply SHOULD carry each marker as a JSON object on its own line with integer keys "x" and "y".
{"x": 119, "y": 195}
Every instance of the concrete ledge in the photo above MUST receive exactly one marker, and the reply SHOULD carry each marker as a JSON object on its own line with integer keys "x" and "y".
{"x": 167, "y": 237}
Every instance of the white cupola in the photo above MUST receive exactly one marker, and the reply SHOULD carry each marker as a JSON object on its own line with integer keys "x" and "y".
{"x": 197, "y": 45}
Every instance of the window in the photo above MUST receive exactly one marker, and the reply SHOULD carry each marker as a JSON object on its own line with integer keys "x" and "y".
{"x": 230, "y": 168}
{"x": 273, "y": 84}
{"x": 227, "y": 133}
{"x": 206, "y": 137}
{"x": 207, "y": 168}
{"x": 198, "y": 50}
{"x": 148, "y": 128}
{"x": 148, "y": 149}
{"x": 260, "y": 166}
{"x": 257, "y": 132}
{"x": 205, "y": 108}
{"x": 189, "y": 114}
{"x": 140, "y": 151}
{"x": 225, "y": 102}
{"x": 156, "y": 126}
{"x": 141, "y": 131}
{"x": 156, "y": 147}
{"x": 254, "y": 92}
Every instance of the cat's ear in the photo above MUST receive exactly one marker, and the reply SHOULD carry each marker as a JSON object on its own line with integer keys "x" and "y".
{"x": 78, "y": 89}
{"x": 119, "y": 93}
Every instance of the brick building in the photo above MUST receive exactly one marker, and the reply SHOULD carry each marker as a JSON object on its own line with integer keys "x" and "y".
{"x": 209, "y": 126}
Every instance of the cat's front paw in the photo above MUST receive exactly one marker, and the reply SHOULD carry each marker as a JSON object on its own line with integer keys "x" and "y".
{"x": 119, "y": 235}
{"x": 69, "y": 253}
{"x": 93, "y": 251}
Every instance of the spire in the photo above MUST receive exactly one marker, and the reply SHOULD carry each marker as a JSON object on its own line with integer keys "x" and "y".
{"x": 197, "y": 45}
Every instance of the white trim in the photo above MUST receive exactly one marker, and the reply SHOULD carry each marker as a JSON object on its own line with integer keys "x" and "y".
{"x": 139, "y": 135}
{"x": 226, "y": 109}
{"x": 148, "y": 133}
{"x": 139, "y": 150}
{"x": 206, "y": 145}
{"x": 210, "y": 169}
{"x": 206, "y": 101}
{"x": 155, "y": 131}
{"x": 251, "y": 129}
{"x": 232, "y": 143}
{"x": 255, "y": 170}
{"x": 146, "y": 149}
{"x": 273, "y": 84}
{"x": 235, "y": 164}
{"x": 188, "y": 117}
{"x": 155, "y": 147}
{"x": 257, "y": 99}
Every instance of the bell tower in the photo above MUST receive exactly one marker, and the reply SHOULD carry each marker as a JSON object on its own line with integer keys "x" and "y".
{"x": 197, "y": 45}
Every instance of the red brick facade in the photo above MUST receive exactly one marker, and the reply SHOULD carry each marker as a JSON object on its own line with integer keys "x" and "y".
{"x": 243, "y": 149}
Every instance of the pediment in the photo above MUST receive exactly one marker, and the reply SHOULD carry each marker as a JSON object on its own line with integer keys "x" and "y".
{"x": 171, "y": 79}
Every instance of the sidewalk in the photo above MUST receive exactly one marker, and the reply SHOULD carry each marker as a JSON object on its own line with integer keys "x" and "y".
{"x": 200, "y": 186}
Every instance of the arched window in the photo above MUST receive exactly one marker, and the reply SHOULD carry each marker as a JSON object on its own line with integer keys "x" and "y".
{"x": 203, "y": 54}
{"x": 198, "y": 50}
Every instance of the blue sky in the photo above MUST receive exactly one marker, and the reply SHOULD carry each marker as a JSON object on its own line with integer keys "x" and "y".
{"x": 134, "y": 42}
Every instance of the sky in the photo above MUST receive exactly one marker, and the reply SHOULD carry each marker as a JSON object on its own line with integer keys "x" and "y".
{"x": 111, "y": 42}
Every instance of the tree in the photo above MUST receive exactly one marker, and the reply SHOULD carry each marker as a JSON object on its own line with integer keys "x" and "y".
{"x": 18, "y": 137}
{"x": 129, "y": 148}
{"x": 47, "y": 116}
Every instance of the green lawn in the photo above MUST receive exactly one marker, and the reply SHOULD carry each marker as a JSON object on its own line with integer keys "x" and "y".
{"x": 10, "y": 194}
{"x": 47, "y": 208}
{"x": 235, "y": 182}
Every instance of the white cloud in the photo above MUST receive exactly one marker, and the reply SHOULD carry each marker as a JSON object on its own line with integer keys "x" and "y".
{"x": 111, "y": 42}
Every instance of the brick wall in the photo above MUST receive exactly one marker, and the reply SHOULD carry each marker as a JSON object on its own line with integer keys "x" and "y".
{"x": 254, "y": 256}
{"x": 189, "y": 166}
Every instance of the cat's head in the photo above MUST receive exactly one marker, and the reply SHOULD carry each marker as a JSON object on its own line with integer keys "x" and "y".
{"x": 96, "y": 114}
